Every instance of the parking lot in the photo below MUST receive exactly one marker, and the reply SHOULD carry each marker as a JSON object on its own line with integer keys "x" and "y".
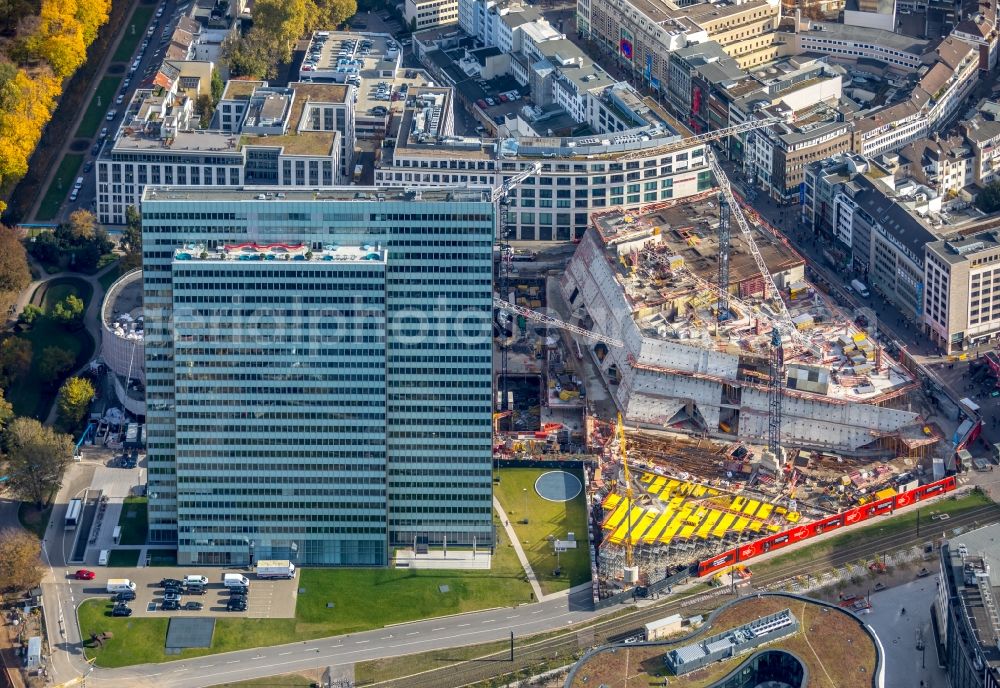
{"x": 267, "y": 599}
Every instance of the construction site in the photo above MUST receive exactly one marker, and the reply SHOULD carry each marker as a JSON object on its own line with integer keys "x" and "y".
{"x": 746, "y": 410}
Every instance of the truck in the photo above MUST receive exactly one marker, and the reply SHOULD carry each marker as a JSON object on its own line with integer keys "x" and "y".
{"x": 275, "y": 568}
{"x": 358, "y": 171}
{"x": 661, "y": 628}
{"x": 235, "y": 580}
{"x": 860, "y": 287}
{"x": 116, "y": 585}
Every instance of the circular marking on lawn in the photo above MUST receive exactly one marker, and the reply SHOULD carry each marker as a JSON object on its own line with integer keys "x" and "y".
{"x": 558, "y": 486}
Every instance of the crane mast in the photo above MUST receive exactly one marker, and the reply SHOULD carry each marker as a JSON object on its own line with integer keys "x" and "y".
{"x": 627, "y": 478}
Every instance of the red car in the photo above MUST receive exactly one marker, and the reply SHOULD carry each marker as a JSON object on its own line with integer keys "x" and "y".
{"x": 481, "y": 103}
{"x": 84, "y": 574}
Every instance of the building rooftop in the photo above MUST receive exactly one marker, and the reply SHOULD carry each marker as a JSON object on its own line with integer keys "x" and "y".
{"x": 241, "y": 89}
{"x": 340, "y": 194}
{"x": 250, "y": 251}
{"x": 879, "y": 37}
{"x": 972, "y": 563}
{"x": 962, "y": 249}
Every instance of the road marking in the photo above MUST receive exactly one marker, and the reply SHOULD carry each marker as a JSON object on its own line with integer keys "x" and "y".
{"x": 235, "y": 661}
{"x": 385, "y": 637}
{"x": 359, "y": 642}
{"x": 461, "y": 625}
{"x": 514, "y": 617}
{"x": 414, "y": 633}
{"x": 538, "y": 612}
{"x": 437, "y": 629}
{"x": 489, "y": 621}
{"x": 282, "y": 654}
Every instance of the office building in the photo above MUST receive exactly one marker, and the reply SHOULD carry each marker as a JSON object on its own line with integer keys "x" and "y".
{"x": 319, "y": 372}
{"x": 426, "y": 14}
{"x": 962, "y": 302}
{"x": 301, "y": 135}
{"x": 967, "y": 624}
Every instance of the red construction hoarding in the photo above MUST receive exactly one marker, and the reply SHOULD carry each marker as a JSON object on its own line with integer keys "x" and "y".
{"x": 804, "y": 532}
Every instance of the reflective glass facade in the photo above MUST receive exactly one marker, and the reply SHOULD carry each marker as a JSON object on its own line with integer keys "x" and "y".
{"x": 323, "y": 403}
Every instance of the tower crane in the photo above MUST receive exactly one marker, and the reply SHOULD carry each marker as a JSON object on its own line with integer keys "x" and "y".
{"x": 620, "y": 431}
{"x": 500, "y": 197}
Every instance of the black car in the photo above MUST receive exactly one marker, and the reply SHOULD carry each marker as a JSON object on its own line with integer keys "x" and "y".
{"x": 121, "y": 610}
{"x": 238, "y": 590}
{"x": 88, "y": 166}
{"x": 170, "y": 605}
{"x": 95, "y": 149}
{"x": 195, "y": 589}
{"x": 170, "y": 583}
{"x": 192, "y": 606}
{"x": 236, "y": 605}
{"x": 125, "y": 596}
{"x": 173, "y": 590}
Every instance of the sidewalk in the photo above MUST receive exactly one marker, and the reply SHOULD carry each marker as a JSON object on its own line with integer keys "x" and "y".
{"x": 512, "y": 536}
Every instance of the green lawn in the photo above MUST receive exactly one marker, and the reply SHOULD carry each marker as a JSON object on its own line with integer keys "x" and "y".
{"x": 134, "y": 520}
{"x": 109, "y": 277}
{"x": 135, "y": 31}
{"x": 363, "y": 599}
{"x": 904, "y": 521}
{"x": 32, "y": 519}
{"x": 100, "y": 103}
{"x": 28, "y": 396}
{"x": 515, "y": 491}
{"x": 60, "y": 187}
{"x": 123, "y": 557}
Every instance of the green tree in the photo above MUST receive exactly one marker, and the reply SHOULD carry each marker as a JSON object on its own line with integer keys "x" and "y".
{"x": 45, "y": 248}
{"x": 15, "y": 276}
{"x": 30, "y": 314}
{"x": 73, "y": 401}
{"x": 15, "y": 359}
{"x": 69, "y": 311}
{"x": 333, "y": 13}
{"x": 204, "y": 109}
{"x": 20, "y": 560}
{"x": 988, "y": 200}
{"x": 53, "y": 363}
{"x": 37, "y": 458}
{"x": 218, "y": 86}
{"x": 250, "y": 56}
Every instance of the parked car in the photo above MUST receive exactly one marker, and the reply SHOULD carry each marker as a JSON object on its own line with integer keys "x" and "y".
{"x": 88, "y": 166}
{"x": 498, "y": 119}
{"x": 192, "y": 606}
{"x": 119, "y": 99}
{"x": 170, "y": 605}
{"x": 503, "y": 98}
{"x": 95, "y": 149}
{"x": 74, "y": 194}
{"x": 490, "y": 101}
{"x": 125, "y": 596}
{"x": 121, "y": 610}
{"x": 85, "y": 574}
{"x": 481, "y": 103}
{"x": 169, "y": 582}
{"x": 194, "y": 589}
{"x": 195, "y": 580}
{"x": 111, "y": 115}
{"x": 171, "y": 597}
{"x": 236, "y": 605}
{"x": 239, "y": 591}
{"x": 104, "y": 132}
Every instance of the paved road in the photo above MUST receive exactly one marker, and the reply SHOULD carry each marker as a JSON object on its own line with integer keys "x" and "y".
{"x": 150, "y": 61}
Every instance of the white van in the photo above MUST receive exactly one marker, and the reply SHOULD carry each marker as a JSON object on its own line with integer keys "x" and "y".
{"x": 102, "y": 559}
{"x": 195, "y": 580}
{"x": 120, "y": 585}
{"x": 78, "y": 183}
{"x": 235, "y": 580}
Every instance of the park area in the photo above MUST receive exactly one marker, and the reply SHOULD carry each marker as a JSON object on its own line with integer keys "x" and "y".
{"x": 60, "y": 186}
{"x": 33, "y": 394}
{"x": 538, "y": 522}
{"x": 93, "y": 117}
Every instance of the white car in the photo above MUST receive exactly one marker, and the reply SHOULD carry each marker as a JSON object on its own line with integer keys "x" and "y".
{"x": 111, "y": 115}
{"x": 119, "y": 99}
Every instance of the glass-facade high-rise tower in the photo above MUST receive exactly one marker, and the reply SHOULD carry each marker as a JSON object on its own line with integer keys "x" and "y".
{"x": 319, "y": 372}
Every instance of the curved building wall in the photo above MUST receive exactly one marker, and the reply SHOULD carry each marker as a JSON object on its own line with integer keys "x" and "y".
{"x": 124, "y": 355}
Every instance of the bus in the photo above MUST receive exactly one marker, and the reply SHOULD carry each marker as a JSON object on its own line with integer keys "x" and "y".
{"x": 73, "y": 514}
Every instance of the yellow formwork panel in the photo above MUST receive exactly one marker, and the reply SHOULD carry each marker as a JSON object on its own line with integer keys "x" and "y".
{"x": 617, "y": 516}
{"x": 676, "y": 502}
{"x": 751, "y": 507}
{"x": 773, "y": 528}
{"x": 647, "y": 477}
{"x": 737, "y": 503}
{"x": 686, "y": 532}
{"x": 755, "y": 526}
{"x": 623, "y": 528}
{"x": 645, "y": 522}
{"x": 699, "y": 491}
{"x": 765, "y": 511}
{"x": 654, "y": 530}
{"x": 612, "y": 500}
{"x": 741, "y": 524}
{"x": 723, "y": 525}
{"x": 668, "y": 490}
{"x": 657, "y": 485}
{"x": 698, "y": 515}
{"x": 686, "y": 488}
{"x": 706, "y": 527}
{"x": 675, "y": 525}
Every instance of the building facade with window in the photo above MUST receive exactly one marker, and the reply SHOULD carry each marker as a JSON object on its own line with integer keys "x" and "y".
{"x": 319, "y": 372}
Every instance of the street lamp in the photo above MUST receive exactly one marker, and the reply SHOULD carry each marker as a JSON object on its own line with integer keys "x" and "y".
{"x": 524, "y": 492}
